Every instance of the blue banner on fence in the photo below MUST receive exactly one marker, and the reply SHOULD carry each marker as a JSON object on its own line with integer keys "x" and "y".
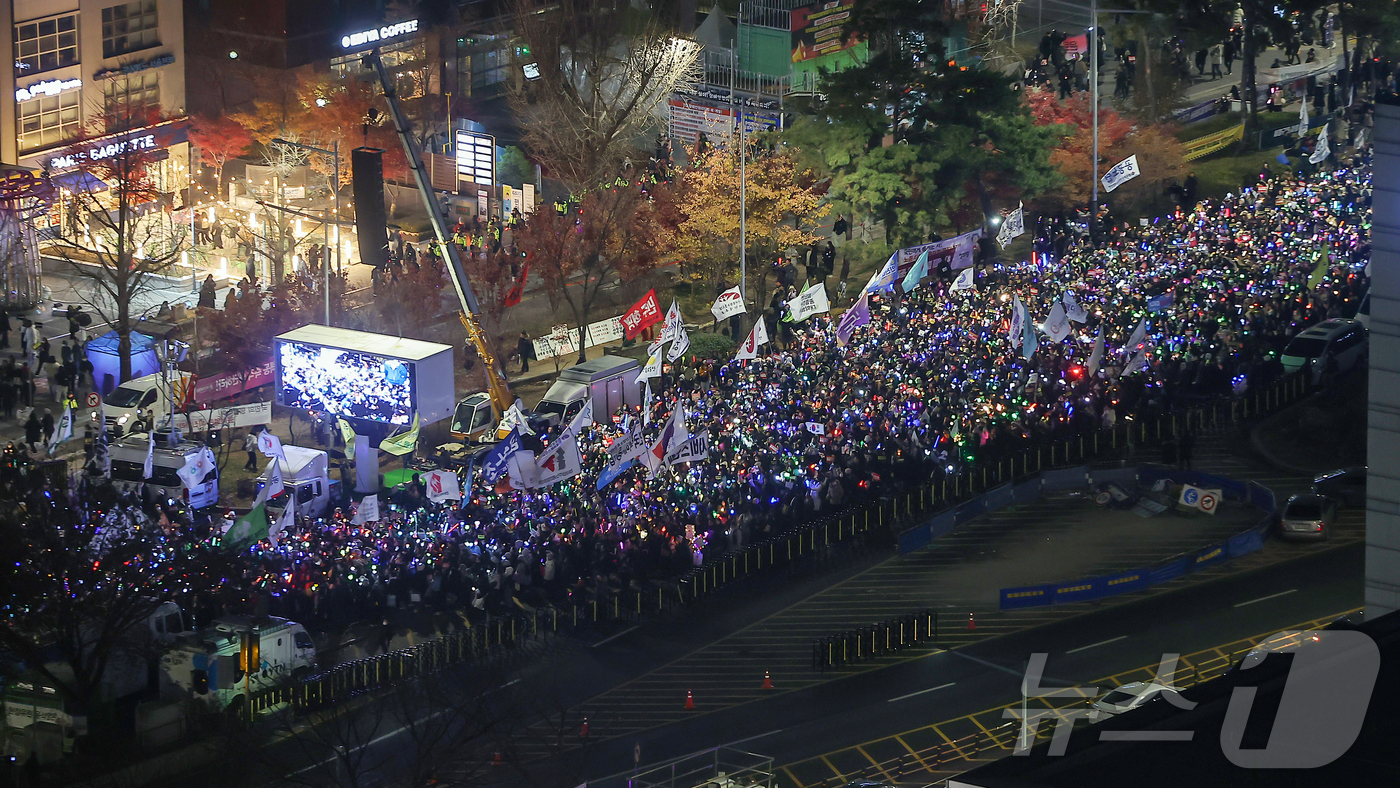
{"x": 1199, "y": 112}
{"x": 1029, "y": 596}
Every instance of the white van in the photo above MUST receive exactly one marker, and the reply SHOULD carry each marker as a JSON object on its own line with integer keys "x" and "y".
{"x": 610, "y": 381}
{"x": 139, "y": 395}
{"x": 128, "y": 458}
{"x": 1341, "y": 340}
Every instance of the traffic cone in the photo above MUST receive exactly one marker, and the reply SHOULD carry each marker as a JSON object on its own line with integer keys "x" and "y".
{"x": 689, "y": 701}
{"x": 583, "y": 732}
{"x": 497, "y": 760}
{"x": 971, "y": 623}
{"x": 767, "y": 680}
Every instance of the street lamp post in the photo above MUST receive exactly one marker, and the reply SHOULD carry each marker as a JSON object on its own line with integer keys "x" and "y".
{"x": 334, "y": 153}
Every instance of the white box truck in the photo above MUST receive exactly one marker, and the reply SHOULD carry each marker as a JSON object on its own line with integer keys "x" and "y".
{"x": 207, "y": 665}
{"x": 305, "y": 474}
{"x": 611, "y": 381}
{"x": 128, "y": 457}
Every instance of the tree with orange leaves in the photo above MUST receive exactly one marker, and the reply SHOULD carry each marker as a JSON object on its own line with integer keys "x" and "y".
{"x": 614, "y": 232}
{"x": 128, "y": 244}
{"x": 1159, "y": 154}
{"x": 219, "y": 139}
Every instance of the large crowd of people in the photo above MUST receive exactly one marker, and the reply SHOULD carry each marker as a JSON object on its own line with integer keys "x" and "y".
{"x": 935, "y": 382}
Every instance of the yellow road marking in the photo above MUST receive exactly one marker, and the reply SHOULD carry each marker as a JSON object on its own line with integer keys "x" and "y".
{"x": 833, "y": 768}
{"x": 878, "y": 766}
{"x": 914, "y": 753}
{"x": 792, "y": 777}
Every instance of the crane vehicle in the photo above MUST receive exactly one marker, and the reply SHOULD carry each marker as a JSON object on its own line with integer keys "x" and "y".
{"x": 476, "y": 416}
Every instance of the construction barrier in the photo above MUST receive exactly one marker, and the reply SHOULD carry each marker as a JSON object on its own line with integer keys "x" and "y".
{"x": 1090, "y": 588}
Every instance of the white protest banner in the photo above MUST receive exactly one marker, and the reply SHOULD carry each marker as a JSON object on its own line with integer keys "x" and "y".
{"x": 1121, "y": 173}
{"x": 966, "y": 280}
{"x": 250, "y": 415}
{"x": 368, "y": 510}
{"x": 695, "y": 448}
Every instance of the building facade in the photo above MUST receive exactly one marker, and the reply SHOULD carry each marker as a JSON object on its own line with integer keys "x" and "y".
{"x": 76, "y": 60}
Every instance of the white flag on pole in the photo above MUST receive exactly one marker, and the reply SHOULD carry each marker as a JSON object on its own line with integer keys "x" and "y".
{"x": 284, "y": 522}
{"x": 1303, "y": 119}
{"x": 442, "y": 486}
{"x": 561, "y": 462}
{"x": 1057, "y": 324}
{"x": 729, "y": 304}
{"x": 1139, "y": 334}
{"x": 1121, "y": 173}
{"x": 652, "y": 369}
{"x": 646, "y": 404}
{"x": 966, "y": 280}
{"x": 680, "y": 344}
{"x": 1073, "y": 308}
{"x": 149, "y": 467}
{"x": 271, "y": 445}
{"x": 583, "y": 418}
{"x": 757, "y": 338}
{"x": 1096, "y": 357}
{"x": 1323, "y": 149}
{"x": 1013, "y": 226}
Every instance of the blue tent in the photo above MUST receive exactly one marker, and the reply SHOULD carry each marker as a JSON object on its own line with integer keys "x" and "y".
{"x": 106, "y": 359}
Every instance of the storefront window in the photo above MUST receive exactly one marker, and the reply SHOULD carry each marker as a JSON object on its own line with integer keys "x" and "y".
{"x": 46, "y": 45}
{"x": 129, "y": 27}
{"x": 132, "y": 96}
{"x": 48, "y": 120}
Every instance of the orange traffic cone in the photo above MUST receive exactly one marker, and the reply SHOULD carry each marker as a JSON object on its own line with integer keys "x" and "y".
{"x": 767, "y": 680}
{"x": 497, "y": 760}
{"x": 971, "y": 623}
{"x": 689, "y": 701}
{"x": 583, "y": 732}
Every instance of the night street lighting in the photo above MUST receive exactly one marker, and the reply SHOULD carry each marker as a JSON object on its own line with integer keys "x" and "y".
{"x": 334, "y": 153}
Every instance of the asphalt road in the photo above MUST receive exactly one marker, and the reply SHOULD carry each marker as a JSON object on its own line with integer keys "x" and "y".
{"x": 803, "y": 725}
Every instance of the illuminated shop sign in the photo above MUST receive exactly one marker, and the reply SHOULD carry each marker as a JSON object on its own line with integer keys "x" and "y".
{"x": 139, "y": 65}
{"x": 48, "y": 87}
{"x": 377, "y": 34}
{"x": 152, "y": 138}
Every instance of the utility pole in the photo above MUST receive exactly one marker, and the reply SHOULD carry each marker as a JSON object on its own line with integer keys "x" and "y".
{"x": 1093, "y": 42}
{"x": 743, "y": 162}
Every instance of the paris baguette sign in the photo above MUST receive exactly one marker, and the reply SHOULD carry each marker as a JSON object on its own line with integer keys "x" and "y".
{"x": 376, "y": 34}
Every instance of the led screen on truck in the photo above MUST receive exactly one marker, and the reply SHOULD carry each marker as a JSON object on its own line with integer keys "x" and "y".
{"x": 345, "y": 382}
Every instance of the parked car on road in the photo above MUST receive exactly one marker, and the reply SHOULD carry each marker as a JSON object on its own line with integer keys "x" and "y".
{"x": 1317, "y": 347}
{"x": 1347, "y": 485}
{"x": 1308, "y": 516}
{"x": 1129, "y": 697}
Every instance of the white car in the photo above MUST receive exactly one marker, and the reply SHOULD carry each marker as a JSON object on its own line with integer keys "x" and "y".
{"x": 1130, "y": 696}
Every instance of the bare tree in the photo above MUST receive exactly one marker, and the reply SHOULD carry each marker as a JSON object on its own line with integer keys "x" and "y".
{"x": 126, "y": 239}
{"x": 601, "y": 77}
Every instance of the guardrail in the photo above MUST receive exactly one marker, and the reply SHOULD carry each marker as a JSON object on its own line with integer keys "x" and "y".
{"x": 1098, "y": 587}
{"x": 1191, "y": 670}
{"x": 868, "y": 642}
